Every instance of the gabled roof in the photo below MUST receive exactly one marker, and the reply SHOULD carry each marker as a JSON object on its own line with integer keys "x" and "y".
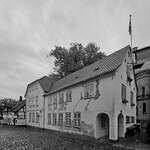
{"x": 45, "y": 83}
{"x": 101, "y": 67}
{"x": 18, "y": 106}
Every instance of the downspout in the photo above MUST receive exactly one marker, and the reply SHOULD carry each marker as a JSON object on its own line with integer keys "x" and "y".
{"x": 43, "y": 112}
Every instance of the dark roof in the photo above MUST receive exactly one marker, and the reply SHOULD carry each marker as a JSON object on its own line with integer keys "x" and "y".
{"x": 141, "y": 49}
{"x": 18, "y": 106}
{"x": 101, "y": 67}
{"x": 45, "y": 83}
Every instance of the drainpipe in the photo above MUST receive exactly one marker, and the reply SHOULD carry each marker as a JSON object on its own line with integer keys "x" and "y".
{"x": 43, "y": 112}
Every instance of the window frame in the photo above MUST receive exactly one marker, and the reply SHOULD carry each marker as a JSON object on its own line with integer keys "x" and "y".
{"x": 77, "y": 119}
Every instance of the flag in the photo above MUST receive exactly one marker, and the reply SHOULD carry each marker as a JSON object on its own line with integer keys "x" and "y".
{"x": 130, "y": 28}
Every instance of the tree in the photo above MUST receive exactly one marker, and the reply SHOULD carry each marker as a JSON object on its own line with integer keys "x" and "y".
{"x": 76, "y": 57}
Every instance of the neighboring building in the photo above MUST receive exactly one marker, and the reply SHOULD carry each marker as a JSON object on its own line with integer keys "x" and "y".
{"x": 7, "y": 114}
{"x": 141, "y": 56}
{"x": 35, "y": 101}
{"x": 18, "y": 113}
{"x": 98, "y": 100}
{"x": 142, "y": 69}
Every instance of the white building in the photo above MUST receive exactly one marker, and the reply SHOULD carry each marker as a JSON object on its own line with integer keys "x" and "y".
{"x": 35, "y": 101}
{"x": 98, "y": 100}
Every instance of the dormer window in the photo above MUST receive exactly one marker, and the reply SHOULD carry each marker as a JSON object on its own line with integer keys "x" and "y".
{"x": 89, "y": 90}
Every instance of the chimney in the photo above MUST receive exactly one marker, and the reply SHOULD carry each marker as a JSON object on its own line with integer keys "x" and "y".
{"x": 20, "y": 98}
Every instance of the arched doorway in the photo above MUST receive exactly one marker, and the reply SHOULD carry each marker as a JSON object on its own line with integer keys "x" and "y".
{"x": 102, "y": 124}
{"x": 120, "y": 125}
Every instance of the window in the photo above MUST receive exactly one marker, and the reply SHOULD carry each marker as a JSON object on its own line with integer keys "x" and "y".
{"x": 132, "y": 119}
{"x": 77, "y": 119}
{"x": 61, "y": 98}
{"x": 60, "y": 119}
{"x": 29, "y": 116}
{"x": 127, "y": 119}
{"x": 123, "y": 92}
{"x": 29, "y": 102}
{"x": 49, "y": 103}
{"x": 55, "y": 102}
{"x": 37, "y": 100}
{"x": 68, "y": 96}
{"x": 33, "y": 117}
{"x": 54, "y": 118}
{"x": 89, "y": 90}
{"x": 32, "y": 102}
{"x": 68, "y": 119}
{"x": 143, "y": 91}
{"x": 144, "y": 108}
{"x": 131, "y": 97}
{"x": 49, "y": 119}
{"x": 37, "y": 117}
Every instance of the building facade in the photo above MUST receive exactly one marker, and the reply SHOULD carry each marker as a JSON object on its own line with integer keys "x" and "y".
{"x": 142, "y": 69}
{"x": 18, "y": 114}
{"x": 35, "y": 101}
{"x": 98, "y": 100}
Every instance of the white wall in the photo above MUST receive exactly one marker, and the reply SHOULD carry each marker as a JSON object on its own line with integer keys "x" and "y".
{"x": 33, "y": 91}
{"x": 109, "y": 102}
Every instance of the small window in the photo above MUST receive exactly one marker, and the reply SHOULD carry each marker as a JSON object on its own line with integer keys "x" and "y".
{"x": 131, "y": 97}
{"x": 123, "y": 92}
{"x": 77, "y": 119}
{"x": 60, "y": 119}
{"x": 144, "y": 108}
{"x": 68, "y": 118}
{"x": 127, "y": 119}
{"x": 143, "y": 91}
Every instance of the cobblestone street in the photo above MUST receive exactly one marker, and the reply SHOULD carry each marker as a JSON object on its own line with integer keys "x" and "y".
{"x": 21, "y": 138}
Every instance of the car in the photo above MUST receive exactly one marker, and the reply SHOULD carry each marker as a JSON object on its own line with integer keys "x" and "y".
{"x": 148, "y": 129}
{"x": 132, "y": 130}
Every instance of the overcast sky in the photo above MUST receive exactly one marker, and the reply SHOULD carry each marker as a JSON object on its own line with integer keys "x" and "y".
{"x": 30, "y": 28}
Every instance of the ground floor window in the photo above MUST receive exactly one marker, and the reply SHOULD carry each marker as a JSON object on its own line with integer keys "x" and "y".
{"x": 132, "y": 119}
{"x": 60, "y": 119}
{"x": 37, "y": 117}
{"x": 54, "y": 119}
{"x": 33, "y": 117}
{"x": 68, "y": 118}
{"x": 29, "y": 116}
{"x": 127, "y": 119}
{"x": 49, "y": 119}
{"x": 77, "y": 119}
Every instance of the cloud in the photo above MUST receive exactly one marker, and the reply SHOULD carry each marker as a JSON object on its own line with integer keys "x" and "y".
{"x": 29, "y": 29}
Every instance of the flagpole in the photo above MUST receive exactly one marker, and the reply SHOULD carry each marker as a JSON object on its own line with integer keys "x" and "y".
{"x": 130, "y": 30}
